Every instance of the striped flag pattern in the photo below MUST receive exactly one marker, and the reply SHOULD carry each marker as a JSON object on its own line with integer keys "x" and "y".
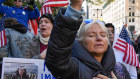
{"x": 45, "y": 9}
{"x": 55, "y": 3}
{"x": 33, "y": 26}
{"x": 124, "y": 44}
{"x": 2, "y": 33}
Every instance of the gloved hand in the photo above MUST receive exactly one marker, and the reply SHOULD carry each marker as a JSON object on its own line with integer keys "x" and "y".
{"x": 32, "y": 3}
{"x": 76, "y": 4}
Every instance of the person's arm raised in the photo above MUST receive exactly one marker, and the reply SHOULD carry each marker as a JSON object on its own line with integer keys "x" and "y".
{"x": 58, "y": 57}
{"x": 74, "y": 9}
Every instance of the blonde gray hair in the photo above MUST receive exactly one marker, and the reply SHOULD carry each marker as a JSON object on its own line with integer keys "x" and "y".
{"x": 85, "y": 27}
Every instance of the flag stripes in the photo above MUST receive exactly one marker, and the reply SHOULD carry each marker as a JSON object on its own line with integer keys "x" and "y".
{"x": 45, "y": 10}
{"x": 55, "y": 3}
{"x": 3, "y": 40}
{"x": 33, "y": 26}
{"x": 124, "y": 44}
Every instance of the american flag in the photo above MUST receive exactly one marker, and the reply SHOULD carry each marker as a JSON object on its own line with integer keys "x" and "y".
{"x": 46, "y": 8}
{"x": 2, "y": 32}
{"x": 124, "y": 44}
{"x": 55, "y": 3}
{"x": 33, "y": 26}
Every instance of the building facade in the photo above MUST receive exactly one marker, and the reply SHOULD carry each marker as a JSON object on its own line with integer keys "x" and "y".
{"x": 95, "y": 12}
{"x": 123, "y": 12}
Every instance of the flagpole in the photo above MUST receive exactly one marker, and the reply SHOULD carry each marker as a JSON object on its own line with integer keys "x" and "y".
{"x": 87, "y": 10}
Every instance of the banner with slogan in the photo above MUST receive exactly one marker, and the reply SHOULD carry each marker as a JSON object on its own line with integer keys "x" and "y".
{"x": 13, "y": 68}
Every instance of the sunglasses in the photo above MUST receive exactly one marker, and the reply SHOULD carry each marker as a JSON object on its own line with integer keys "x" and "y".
{"x": 90, "y": 20}
{"x": 18, "y": 0}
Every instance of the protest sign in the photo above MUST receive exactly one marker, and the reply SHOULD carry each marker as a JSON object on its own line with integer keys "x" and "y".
{"x": 33, "y": 68}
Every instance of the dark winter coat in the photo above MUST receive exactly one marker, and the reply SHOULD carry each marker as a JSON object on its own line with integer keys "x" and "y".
{"x": 68, "y": 61}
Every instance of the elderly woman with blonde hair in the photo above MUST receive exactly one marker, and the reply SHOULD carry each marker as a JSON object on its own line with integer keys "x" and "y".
{"x": 89, "y": 57}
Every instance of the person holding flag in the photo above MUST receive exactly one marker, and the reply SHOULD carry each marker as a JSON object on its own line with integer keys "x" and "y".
{"x": 18, "y": 12}
{"x": 125, "y": 52}
{"x": 118, "y": 54}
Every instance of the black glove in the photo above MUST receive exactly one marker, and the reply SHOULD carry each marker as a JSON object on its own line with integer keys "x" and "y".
{"x": 32, "y": 2}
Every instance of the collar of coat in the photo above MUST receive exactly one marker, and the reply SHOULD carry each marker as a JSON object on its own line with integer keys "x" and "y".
{"x": 19, "y": 7}
{"x": 106, "y": 65}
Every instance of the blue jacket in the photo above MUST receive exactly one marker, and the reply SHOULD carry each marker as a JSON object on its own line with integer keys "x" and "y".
{"x": 20, "y": 14}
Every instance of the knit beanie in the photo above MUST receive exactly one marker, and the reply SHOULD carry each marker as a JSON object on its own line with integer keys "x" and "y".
{"x": 49, "y": 16}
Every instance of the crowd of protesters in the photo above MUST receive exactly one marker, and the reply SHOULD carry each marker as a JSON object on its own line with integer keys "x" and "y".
{"x": 72, "y": 47}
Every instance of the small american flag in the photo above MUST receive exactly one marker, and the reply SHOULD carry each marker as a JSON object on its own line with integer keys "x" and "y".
{"x": 2, "y": 32}
{"x": 124, "y": 44}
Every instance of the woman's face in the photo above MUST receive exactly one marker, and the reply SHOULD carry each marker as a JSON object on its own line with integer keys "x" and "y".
{"x": 21, "y": 71}
{"x": 45, "y": 27}
{"x": 111, "y": 34}
{"x": 95, "y": 40}
{"x": 18, "y": 3}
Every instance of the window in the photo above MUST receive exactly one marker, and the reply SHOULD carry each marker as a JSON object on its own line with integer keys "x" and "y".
{"x": 93, "y": 14}
{"x": 133, "y": 13}
{"x": 133, "y": 1}
{"x": 129, "y": 13}
{"x": 129, "y": 19}
{"x": 119, "y": 5}
{"x": 122, "y": 2}
{"x": 131, "y": 28}
{"x": 133, "y": 7}
{"x": 133, "y": 19}
{"x": 122, "y": 14}
{"x": 101, "y": 15}
{"x": 129, "y": 8}
{"x": 129, "y": 1}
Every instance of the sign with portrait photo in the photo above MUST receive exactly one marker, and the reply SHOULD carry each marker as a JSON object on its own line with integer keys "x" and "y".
{"x": 21, "y": 68}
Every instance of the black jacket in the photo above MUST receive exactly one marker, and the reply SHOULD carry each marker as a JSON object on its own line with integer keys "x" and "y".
{"x": 68, "y": 61}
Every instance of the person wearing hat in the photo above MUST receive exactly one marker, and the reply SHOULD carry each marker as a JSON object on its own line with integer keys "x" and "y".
{"x": 46, "y": 22}
{"x": 18, "y": 12}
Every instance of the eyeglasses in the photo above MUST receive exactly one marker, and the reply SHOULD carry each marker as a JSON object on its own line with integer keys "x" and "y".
{"x": 18, "y": 0}
{"x": 90, "y": 20}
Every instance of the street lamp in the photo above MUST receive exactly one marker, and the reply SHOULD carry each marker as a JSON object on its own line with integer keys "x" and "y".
{"x": 87, "y": 11}
{"x": 97, "y": 13}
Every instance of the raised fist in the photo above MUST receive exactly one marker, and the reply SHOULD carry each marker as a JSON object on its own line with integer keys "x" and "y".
{"x": 76, "y": 1}
{"x": 76, "y": 4}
